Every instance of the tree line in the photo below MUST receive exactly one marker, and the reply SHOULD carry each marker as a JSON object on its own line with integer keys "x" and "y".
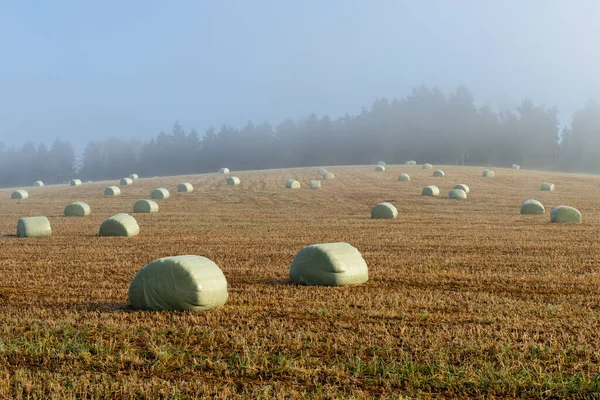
{"x": 426, "y": 126}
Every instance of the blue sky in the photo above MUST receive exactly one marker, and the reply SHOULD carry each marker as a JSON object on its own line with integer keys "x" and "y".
{"x": 78, "y": 70}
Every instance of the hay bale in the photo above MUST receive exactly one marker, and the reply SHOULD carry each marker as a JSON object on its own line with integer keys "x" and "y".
{"x": 516, "y": 166}
{"x": 292, "y": 184}
{"x": 33, "y": 227}
{"x": 384, "y": 210}
{"x": 532, "y": 207}
{"x": 186, "y": 283}
{"x": 321, "y": 171}
{"x": 75, "y": 182}
{"x": 233, "y": 181}
{"x": 328, "y": 176}
{"x": 126, "y": 182}
{"x": 488, "y": 173}
{"x": 112, "y": 191}
{"x": 404, "y": 177}
{"x": 410, "y": 162}
{"x": 547, "y": 186}
{"x": 19, "y": 194}
{"x": 430, "y": 191}
{"x": 379, "y": 168}
{"x": 565, "y": 214}
{"x": 329, "y": 264}
{"x": 145, "y": 206}
{"x": 380, "y": 163}
{"x": 134, "y": 176}
{"x": 38, "y": 183}
{"x": 315, "y": 184}
{"x": 462, "y": 186}
{"x": 185, "y": 187}
{"x": 77, "y": 209}
{"x": 160, "y": 193}
{"x": 427, "y": 166}
{"x": 224, "y": 171}
{"x": 119, "y": 225}
{"x": 458, "y": 194}
{"x": 438, "y": 173}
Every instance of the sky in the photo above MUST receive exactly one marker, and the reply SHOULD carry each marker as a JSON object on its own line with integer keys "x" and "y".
{"x": 81, "y": 70}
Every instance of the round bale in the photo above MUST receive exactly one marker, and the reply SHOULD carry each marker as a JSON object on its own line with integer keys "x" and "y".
{"x": 184, "y": 283}
{"x": 292, "y": 184}
{"x": 457, "y": 194}
{"x": 328, "y": 176}
{"x": 19, "y": 194}
{"x": 488, "y": 173}
{"x": 119, "y": 225}
{"x": 224, "y": 171}
{"x": 532, "y": 206}
{"x": 427, "y": 166}
{"x": 233, "y": 181}
{"x": 112, "y": 191}
{"x": 384, "y": 210}
{"x": 315, "y": 184}
{"x": 185, "y": 187}
{"x": 329, "y": 264}
{"x": 516, "y": 166}
{"x": 77, "y": 209}
{"x": 134, "y": 176}
{"x": 565, "y": 214}
{"x": 380, "y": 163}
{"x": 321, "y": 171}
{"x": 547, "y": 186}
{"x": 38, "y": 183}
{"x": 145, "y": 206}
{"x": 438, "y": 173}
{"x": 33, "y": 227}
{"x": 126, "y": 182}
{"x": 75, "y": 182}
{"x": 380, "y": 168}
{"x": 462, "y": 186}
{"x": 430, "y": 191}
{"x": 160, "y": 193}
{"x": 404, "y": 177}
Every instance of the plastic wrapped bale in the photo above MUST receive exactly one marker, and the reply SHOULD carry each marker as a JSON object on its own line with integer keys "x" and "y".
{"x": 112, "y": 191}
{"x": 134, "y": 176}
{"x": 233, "y": 181}
{"x": 38, "y": 183}
{"x": 565, "y": 214}
{"x": 145, "y": 206}
{"x": 427, "y": 166}
{"x": 430, "y": 191}
{"x": 532, "y": 206}
{"x": 315, "y": 184}
{"x": 438, "y": 173}
{"x": 292, "y": 184}
{"x": 224, "y": 171}
{"x": 547, "y": 187}
{"x": 180, "y": 283}
{"x": 488, "y": 173}
{"x": 462, "y": 186}
{"x": 404, "y": 177}
{"x": 75, "y": 182}
{"x": 329, "y": 264}
{"x": 77, "y": 209}
{"x": 380, "y": 163}
{"x": 160, "y": 193}
{"x": 126, "y": 182}
{"x": 384, "y": 210}
{"x": 185, "y": 187}
{"x": 19, "y": 194}
{"x": 458, "y": 194}
{"x": 380, "y": 168}
{"x": 516, "y": 166}
{"x": 33, "y": 227}
{"x": 120, "y": 225}
{"x": 328, "y": 176}
{"x": 321, "y": 171}
{"x": 413, "y": 162}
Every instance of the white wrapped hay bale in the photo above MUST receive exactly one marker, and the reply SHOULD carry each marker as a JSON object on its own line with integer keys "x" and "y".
{"x": 380, "y": 163}
{"x": 547, "y": 186}
{"x": 292, "y": 184}
{"x": 329, "y": 264}
{"x": 321, "y": 171}
{"x": 533, "y": 207}
{"x": 77, "y": 209}
{"x": 224, "y": 171}
{"x": 19, "y": 194}
{"x": 462, "y": 186}
{"x": 427, "y": 166}
{"x": 438, "y": 173}
{"x": 328, "y": 176}
{"x": 126, "y": 182}
{"x": 119, "y": 225}
{"x": 430, "y": 191}
{"x": 75, "y": 182}
{"x": 112, "y": 191}
{"x": 404, "y": 177}
{"x": 380, "y": 168}
{"x": 134, "y": 176}
{"x": 185, "y": 187}
{"x": 565, "y": 214}
{"x": 457, "y": 194}
{"x": 184, "y": 283}
{"x": 145, "y": 206}
{"x": 488, "y": 173}
{"x": 315, "y": 184}
{"x": 160, "y": 193}
{"x": 38, "y": 183}
{"x": 33, "y": 227}
{"x": 233, "y": 181}
{"x": 384, "y": 211}
{"x": 516, "y": 166}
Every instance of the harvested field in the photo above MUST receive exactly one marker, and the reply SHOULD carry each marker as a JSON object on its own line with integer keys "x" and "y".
{"x": 464, "y": 299}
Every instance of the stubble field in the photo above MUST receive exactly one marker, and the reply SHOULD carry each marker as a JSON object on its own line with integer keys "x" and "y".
{"x": 465, "y": 298}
